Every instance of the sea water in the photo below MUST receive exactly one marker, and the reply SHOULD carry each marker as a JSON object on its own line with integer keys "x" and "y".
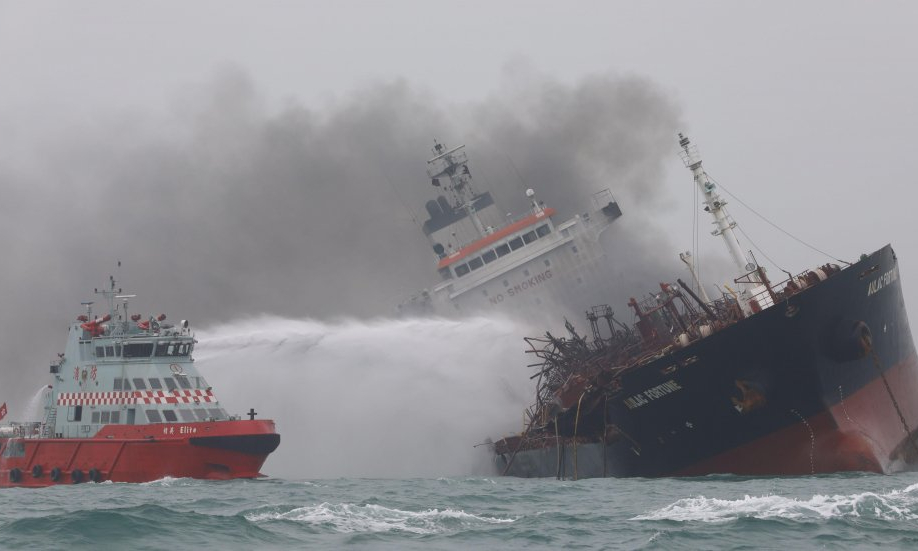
{"x": 380, "y": 423}
{"x": 850, "y": 511}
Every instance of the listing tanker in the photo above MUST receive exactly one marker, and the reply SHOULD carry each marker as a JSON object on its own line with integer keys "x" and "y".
{"x": 488, "y": 261}
{"x": 815, "y": 374}
{"x": 126, "y": 403}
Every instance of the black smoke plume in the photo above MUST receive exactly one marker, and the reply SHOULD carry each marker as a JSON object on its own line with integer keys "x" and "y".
{"x": 228, "y": 208}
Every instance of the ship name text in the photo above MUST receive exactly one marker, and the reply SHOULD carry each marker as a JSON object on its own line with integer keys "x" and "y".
{"x": 877, "y": 284}
{"x": 182, "y": 429}
{"x": 524, "y": 285}
{"x": 659, "y": 391}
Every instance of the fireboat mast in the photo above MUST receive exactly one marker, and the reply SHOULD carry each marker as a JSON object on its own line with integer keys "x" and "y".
{"x": 454, "y": 165}
{"x": 725, "y": 224}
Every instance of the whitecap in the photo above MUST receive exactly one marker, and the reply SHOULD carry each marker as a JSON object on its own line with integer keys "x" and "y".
{"x": 168, "y": 481}
{"x": 893, "y": 505}
{"x": 347, "y": 517}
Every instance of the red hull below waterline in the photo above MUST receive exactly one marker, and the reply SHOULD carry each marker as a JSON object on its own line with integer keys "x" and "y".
{"x": 140, "y": 453}
{"x": 853, "y": 435}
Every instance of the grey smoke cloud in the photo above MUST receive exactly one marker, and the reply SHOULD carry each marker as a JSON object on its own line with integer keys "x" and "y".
{"x": 230, "y": 208}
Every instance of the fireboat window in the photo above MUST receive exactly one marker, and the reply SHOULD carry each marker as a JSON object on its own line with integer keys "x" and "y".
{"x": 110, "y": 351}
{"x": 118, "y": 350}
{"x": 516, "y": 243}
{"x": 162, "y": 349}
{"x": 153, "y": 416}
{"x": 170, "y": 383}
{"x": 183, "y": 381}
{"x": 155, "y": 384}
{"x": 116, "y": 417}
{"x": 139, "y": 384}
{"x": 106, "y": 417}
{"x": 94, "y": 418}
{"x": 503, "y": 250}
{"x": 100, "y": 351}
{"x": 217, "y": 413}
{"x": 476, "y": 263}
{"x": 461, "y": 270}
{"x": 529, "y": 237}
{"x": 187, "y": 415}
{"x": 489, "y": 257}
{"x": 127, "y": 385}
{"x": 116, "y": 385}
{"x": 543, "y": 230}
{"x": 201, "y": 414}
{"x": 170, "y": 415}
{"x": 138, "y": 350}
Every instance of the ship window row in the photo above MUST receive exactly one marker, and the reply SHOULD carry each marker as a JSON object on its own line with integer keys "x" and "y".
{"x": 159, "y": 416}
{"x": 105, "y": 417}
{"x": 501, "y": 250}
{"x": 145, "y": 350}
{"x": 188, "y": 415}
{"x": 172, "y": 383}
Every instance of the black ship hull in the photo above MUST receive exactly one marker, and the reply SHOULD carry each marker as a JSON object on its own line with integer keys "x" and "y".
{"x": 823, "y": 381}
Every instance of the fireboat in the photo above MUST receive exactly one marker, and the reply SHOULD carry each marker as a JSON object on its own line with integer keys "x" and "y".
{"x": 127, "y": 404}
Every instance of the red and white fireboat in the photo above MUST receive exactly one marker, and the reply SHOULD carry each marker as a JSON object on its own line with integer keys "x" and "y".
{"x": 127, "y": 404}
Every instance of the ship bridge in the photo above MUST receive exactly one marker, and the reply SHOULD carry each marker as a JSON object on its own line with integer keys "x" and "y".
{"x": 121, "y": 369}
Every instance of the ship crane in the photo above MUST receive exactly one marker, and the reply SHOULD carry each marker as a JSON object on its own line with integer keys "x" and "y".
{"x": 725, "y": 224}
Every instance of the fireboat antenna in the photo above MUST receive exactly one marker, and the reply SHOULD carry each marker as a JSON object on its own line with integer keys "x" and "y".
{"x": 453, "y": 164}
{"x": 715, "y": 206}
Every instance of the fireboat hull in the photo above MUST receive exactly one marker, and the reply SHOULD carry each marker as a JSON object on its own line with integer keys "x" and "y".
{"x": 825, "y": 381}
{"x": 141, "y": 453}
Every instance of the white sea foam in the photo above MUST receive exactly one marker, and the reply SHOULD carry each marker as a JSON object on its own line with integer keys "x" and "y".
{"x": 380, "y": 398}
{"x": 168, "y": 481}
{"x": 894, "y": 505}
{"x": 346, "y": 517}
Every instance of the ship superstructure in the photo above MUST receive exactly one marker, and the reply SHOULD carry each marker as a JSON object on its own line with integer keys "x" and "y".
{"x": 126, "y": 403}
{"x": 817, "y": 373}
{"x": 488, "y": 261}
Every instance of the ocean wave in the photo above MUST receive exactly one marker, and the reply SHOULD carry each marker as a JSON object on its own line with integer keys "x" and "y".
{"x": 349, "y": 518}
{"x": 146, "y": 526}
{"x": 895, "y": 505}
{"x": 168, "y": 481}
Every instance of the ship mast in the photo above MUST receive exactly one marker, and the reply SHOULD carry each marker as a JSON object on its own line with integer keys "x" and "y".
{"x": 453, "y": 164}
{"x": 725, "y": 224}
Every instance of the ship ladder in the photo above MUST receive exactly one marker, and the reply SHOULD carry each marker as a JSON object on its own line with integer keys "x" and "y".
{"x": 867, "y": 344}
{"x": 50, "y": 422}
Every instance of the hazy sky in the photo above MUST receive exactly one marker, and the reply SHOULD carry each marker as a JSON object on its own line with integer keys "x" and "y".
{"x": 266, "y": 156}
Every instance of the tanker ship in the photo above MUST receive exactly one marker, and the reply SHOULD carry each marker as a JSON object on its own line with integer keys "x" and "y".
{"x": 489, "y": 261}
{"x": 814, "y": 374}
{"x": 126, "y": 404}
